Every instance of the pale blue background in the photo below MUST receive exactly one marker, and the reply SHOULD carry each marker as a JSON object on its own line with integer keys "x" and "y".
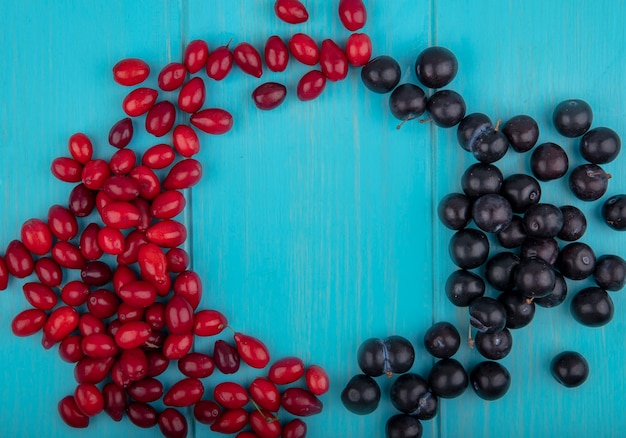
{"x": 314, "y": 226}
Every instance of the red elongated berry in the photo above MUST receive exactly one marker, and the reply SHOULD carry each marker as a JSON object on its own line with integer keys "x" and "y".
{"x": 147, "y": 180}
{"x": 358, "y": 49}
{"x": 185, "y": 141}
{"x": 300, "y": 402}
{"x": 209, "y": 323}
{"x": 189, "y": 286}
{"x": 74, "y": 293}
{"x": 146, "y": 390}
{"x": 142, "y": 414}
{"x": 265, "y": 394}
{"x": 121, "y": 133}
{"x": 138, "y": 293}
{"x": 111, "y": 240}
{"x": 226, "y": 357}
{"x": 172, "y": 76}
{"x": 92, "y": 370}
{"x": 252, "y": 351}
{"x": 139, "y": 101}
{"x": 152, "y": 263}
{"x": 178, "y": 315}
{"x": 269, "y": 95}
{"x": 133, "y": 363}
{"x": 276, "y": 54}
{"x": 157, "y": 363}
{"x": 132, "y": 334}
{"x": 195, "y": 56}
{"x": 214, "y": 121}
{"x": 28, "y": 322}
{"x": 177, "y": 346}
{"x": 67, "y": 255}
{"x": 88, "y": 324}
{"x": 352, "y": 14}
{"x": 127, "y": 313}
{"x": 132, "y": 243}
{"x": 219, "y": 63}
{"x": 48, "y": 272}
{"x": 264, "y": 424}
{"x": 143, "y": 207}
{"x": 286, "y": 370}
{"x": 88, "y": 245}
{"x": 163, "y": 289}
{"x": 123, "y": 275}
{"x": 70, "y": 349}
{"x": 185, "y": 392}
{"x": 317, "y": 380}
{"x": 333, "y": 61}
{"x": 130, "y": 71}
{"x": 295, "y": 428}
{"x": 122, "y": 161}
{"x": 196, "y": 365}
{"x": 154, "y": 315}
{"x": 40, "y": 296}
{"x": 167, "y": 233}
{"x": 36, "y": 236}
{"x": 160, "y": 119}
{"x": 70, "y": 414}
{"x": 118, "y": 375}
{"x": 168, "y": 204}
{"x": 121, "y": 188}
{"x": 103, "y": 303}
{"x": 183, "y": 175}
{"x": 304, "y": 49}
{"x": 291, "y": 11}
{"x": 61, "y": 322}
{"x": 96, "y": 273}
{"x": 311, "y": 85}
{"x": 230, "y": 421}
{"x": 158, "y": 156}
{"x": 80, "y": 147}
{"x": 89, "y": 399}
{"x": 4, "y": 274}
{"x": 19, "y": 261}
{"x": 177, "y": 260}
{"x": 114, "y": 401}
{"x": 248, "y": 59}
{"x": 82, "y": 200}
{"x": 230, "y": 395}
{"x": 172, "y": 423}
{"x": 66, "y": 169}
{"x": 206, "y": 411}
{"x": 120, "y": 215}
{"x": 99, "y": 345}
{"x": 62, "y": 223}
{"x": 95, "y": 174}
{"x": 191, "y": 96}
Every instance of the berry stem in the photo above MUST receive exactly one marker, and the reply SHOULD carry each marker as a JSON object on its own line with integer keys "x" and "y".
{"x": 470, "y": 339}
{"x": 406, "y": 119}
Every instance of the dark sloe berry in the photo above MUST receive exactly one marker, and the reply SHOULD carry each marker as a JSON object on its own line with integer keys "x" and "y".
{"x": 407, "y": 101}
{"x": 549, "y": 161}
{"x": 361, "y": 395}
{"x": 455, "y": 210}
{"x": 448, "y": 378}
{"x": 480, "y": 179}
{"x": 592, "y": 307}
{"x": 574, "y": 223}
{"x": 487, "y": 315}
{"x": 372, "y": 357}
{"x": 610, "y": 272}
{"x": 520, "y": 311}
{"x": 500, "y": 270}
{"x": 556, "y": 296}
{"x": 381, "y": 74}
{"x": 543, "y": 220}
{"x": 572, "y": 118}
{"x": 446, "y": 108}
{"x": 588, "y": 182}
{"x": 490, "y": 380}
{"x": 436, "y": 66}
{"x": 512, "y": 235}
{"x": 535, "y": 278}
{"x": 600, "y": 145}
{"x": 576, "y": 261}
{"x": 521, "y": 191}
{"x": 400, "y": 354}
{"x": 442, "y": 340}
{"x": 522, "y": 132}
{"x": 545, "y": 249}
{"x": 494, "y": 346}
{"x": 569, "y": 368}
{"x": 470, "y": 128}
{"x": 403, "y": 426}
{"x": 490, "y": 146}
{"x": 462, "y": 287}
{"x": 491, "y": 213}
{"x": 469, "y": 248}
{"x": 614, "y": 212}
{"x": 410, "y": 394}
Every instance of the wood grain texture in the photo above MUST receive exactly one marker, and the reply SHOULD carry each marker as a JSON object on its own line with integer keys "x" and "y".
{"x": 315, "y": 225}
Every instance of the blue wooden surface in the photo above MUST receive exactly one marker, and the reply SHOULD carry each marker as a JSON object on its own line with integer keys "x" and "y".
{"x": 314, "y": 226}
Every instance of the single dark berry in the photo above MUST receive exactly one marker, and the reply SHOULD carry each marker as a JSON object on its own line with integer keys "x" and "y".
{"x": 569, "y": 368}
{"x": 448, "y": 378}
{"x": 410, "y": 394}
{"x": 446, "y": 108}
{"x": 455, "y": 210}
{"x": 442, "y": 340}
{"x": 513, "y": 235}
{"x": 576, "y": 261}
{"x": 556, "y": 296}
{"x": 592, "y": 307}
{"x": 361, "y": 395}
{"x": 494, "y": 346}
{"x": 589, "y": 182}
{"x": 480, "y": 179}
{"x": 545, "y": 249}
{"x": 491, "y": 213}
{"x": 522, "y": 132}
{"x": 549, "y": 161}
{"x": 521, "y": 191}
{"x": 500, "y": 270}
{"x": 407, "y": 102}
{"x": 381, "y": 74}
{"x": 469, "y": 248}
{"x": 487, "y": 315}
{"x": 400, "y": 354}
{"x": 490, "y": 146}
{"x": 436, "y": 66}
{"x": 574, "y": 223}
{"x": 572, "y": 118}
{"x": 470, "y": 128}
{"x": 610, "y": 272}
{"x": 403, "y": 426}
{"x": 614, "y": 212}
{"x": 535, "y": 278}
{"x": 600, "y": 145}
{"x": 372, "y": 357}
{"x": 463, "y": 287}
{"x": 543, "y": 220}
{"x": 520, "y": 311}
{"x": 490, "y": 380}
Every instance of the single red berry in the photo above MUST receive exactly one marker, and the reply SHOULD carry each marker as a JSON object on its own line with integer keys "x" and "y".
{"x": 75, "y": 293}
{"x": 178, "y": 315}
{"x": 70, "y": 349}
{"x": 276, "y": 54}
{"x": 286, "y": 370}
{"x": 358, "y": 49}
{"x": 62, "y": 223}
{"x": 154, "y": 315}
{"x": 28, "y": 322}
{"x": 172, "y": 76}
{"x": 67, "y": 255}
{"x": 96, "y": 273}
{"x": 177, "y": 260}
{"x": 248, "y": 59}
{"x": 158, "y": 156}
{"x": 183, "y": 175}
{"x": 141, "y": 204}
{"x": 196, "y": 365}
{"x": 19, "y": 261}
{"x": 40, "y": 296}
{"x": 142, "y": 414}
{"x": 226, "y": 357}
{"x": 133, "y": 364}
{"x": 138, "y": 293}
{"x": 185, "y": 141}
{"x": 121, "y": 133}
{"x": 157, "y": 363}
{"x": 111, "y": 240}
{"x": 191, "y": 96}
{"x": 219, "y": 63}
{"x": 316, "y": 380}
{"x": 295, "y": 428}
{"x": 132, "y": 334}
{"x": 89, "y": 325}
{"x": 252, "y": 351}
{"x": 177, "y": 346}
{"x": 61, "y": 322}
{"x": 80, "y": 147}
{"x": 230, "y": 421}
{"x": 311, "y": 85}
{"x": 333, "y": 61}
{"x": 4, "y": 274}
{"x": 94, "y": 174}
{"x": 70, "y": 414}
{"x": 66, "y": 169}
{"x": 152, "y": 263}
{"x": 103, "y": 303}
{"x": 172, "y": 423}
{"x": 89, "y": 242}
{"x": 269, "y": 95}
{"x": 114, "y": 401}
{"x": 120, "y": 215}
{"x": 230, "y": 395}
{"x": 264, "y": 424}
{"x": 122, "y": 161}
{"x": 209, "y": 323}
{"x": 195, "y": 56}
{"x": 92, "y": 370}
{"x": 145, "y": 390}
{"x": 36, "y": 236}
{"x": 189, "y": 285}
{"x": 206, "y": 411}
{"x": 265, "y": 393}
{"x": 89, "y": 399}
{"x": 99, "y": 345}
{"x": 352, "y": 14}
{"x": 300, "y": 402}
{"x": 148, "y": 182}
{"x": 48, "y": 272}
{"x": 127, "y": 313}
{"x": 130, "y": 71}
{"x": 82, "y": 200}
{"x": 139, "y": 101}
{"x": 214, "y": 121}
{"x": 161, "y": 118}
{"x": 185, "y": 392}
{"x": 132, "y": 244}
{"x": 291, "y": 11}
{"x": 304, "y": 49}
{"x": 167, "y": 233}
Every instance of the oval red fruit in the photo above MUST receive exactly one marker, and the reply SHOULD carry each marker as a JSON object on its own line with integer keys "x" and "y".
{"x": 276, "y": 54}
{"x": 172, "y": 76}
{"x": 311, "y": 85}
{"x": 286, "y": 370}
{"x": 358, "y": 49}
{"x": 352, "y": 14}
{"x": 139, "y": 101}
{"x": 183, "y": 175}
{"x": 269, "y": 95}
{"x": 191, "y": 96}
{"x": 121, "y": 133}
{"x": 195, "y": 56}
{"x": 304, "y": 49}
{"x": 248, "y": 59}
{"x": 80, "y": 147}
{"x": 28, "y": 322}
{"x": 291, "y": 11}
{"x": 214, "y": 121}
{"x": 36, "y": 236}
{"x": 333, "y": 61}
{"x": 161, "y": 118}
{"x": 66, "y": 169}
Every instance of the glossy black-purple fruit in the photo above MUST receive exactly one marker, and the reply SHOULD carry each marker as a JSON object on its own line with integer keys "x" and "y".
{"x": 522, "y": 132}
{"x": 569, "y": 368}
{"x": 614, "y": 212}
{"x": 576, "y": 261}
{"x": 572, "y": 118}
{"x": 513, "y": 235}
{"x": 400, "y": 354}
{"x": 446, "y": 108}
{"x": 403, "y": 426}
{"x": 436, "y": 66}
{"x": 470, "y": 128}
{"x": 410, "y": 394}
{"x": 574, "y": 223}
{"x": 592, "y": 307}
{"x": 361, "y": 395}
{"x": 381, "y": 74}
{"x": 556, "y": 296}
{"x": 487, "y": 315}
{"x": 543, "y": 220}
{"x": 448, "y": 378}
{"x": 535, "y": 278}
{"x": 490, "y": 146}
{"x": 610, "y": 272}
{"x": 520, "y": 311}
{"x": 589, "y": 182}
{"x": 500, "y": 270}
{"x": 462, "y": 287}
{"x": 469, "y": 248}
{"x": 442, "y": 340}
{"x": 491, "y": 212}
{"x": 480, "y": 179}
{"x": 521, "y": 191}
{"x": 545, "y": 249}
{"x": 407, "y": 101}
{"x": 494, "y": 346}
{"x": 490, "y": 380}
{"x": 455, "y": 210}
{"x": 549, "y": 161}
{"x": 372, "y": 357}
{"x": 600, "y": 145}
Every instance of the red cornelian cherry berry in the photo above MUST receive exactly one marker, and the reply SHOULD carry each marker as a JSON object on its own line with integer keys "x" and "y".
{"x": 36, "y": 236}
{"x": 304, "y": 49}
{"x": 70, "y": 349}
{"x": 219, "y": 63}
{"x": 160, "y": 119}
{"x": 66, "y": 169}
{"x": 167, "y": 233}
{"x": 311, "y": 85}
{"x": 152, "y": 263}
{"x": 133, "y": 364}
{"x": 276, "y": 54}
{"x": 67, "y": 255}
{"x": 226, "y": 357}
{"x": 142, "y": 414}
{"x": 248, "y": 59}
{"x": 4, "y": 274}
{"x": 295, "y": 428}
{"x": 209, "y": 323}
{"x": 114, "y": 401}
{"x": 264, "y": 424}
{"x": 62, "y": 223}
{"x": 28, "y": 322}
{"x": 252, "y": 351}
{"x": 265, "y": 394}
{"x": 179, "y": 315}
{"x": 123, "y": 161}
{"x": 352, "y": 14}
{"x": 317, "y": 380}
{"x": 61, "y": 322}
{"x": 269, "y": 95}
{"x": 168, "y": 204}
{"x": 91, "y": 370}
{"x": 102, "y": 303}
{"x": 102, "y": 200}
{"x": 40, "y": 296}
{"x": 196, "y": 365}
{"x": 121, "y": 133}
{"x": 80, "y": 147}
{"x": 142, "y": 205}
{"x": 163, "y": 289}
{"x": 119, "y": 376}
{"x": 286, "y": 370}
{"x": 214, "y": 121}
{"x": 300, "y": 402}
{"x": 89, "y": 399}
{"x": 89, "y": 242}
{"x": 185, "y": 141}
{"x": 70, "y": 414}
{"x": 95, "y": 174}
{"x": 120, "y": 215}
{"x": 148, "y": 182}
{"x": 158, "y": 156}
{"x": 188, "y": 285}
{"x": 111, "y": 240}
{"x": 132, "y": 243}
{"x": 195, "y": 56}
{"x": 172, "y": 76}
{"x": 185, "y": 392}
{"x": 121, "y": 188}
{"x": 123, "y": 275}
{"x": 146, "y": 390}
{"x": 291, "y": 11}
{"x": 154, "y": 315}
{"x": 82, "y": 200}
{"x": 157, "y": 363}
{"x": 191, "y": 96}
{"x": 230, "y": 421}
{"x": 177, "y": 260}
{"x": 230, "y": 395}
{"x": 132, "y": 334}
{"x": 99, "y": 345}
{"x": 96, "y": 273}
{"x": 130, "y": 71}
{"x": 138, "y": 293}
{"x": 333, "y": 61}
{"x": 206, "y": 411}
{"x": 177, "y": 346}
{"x": 19, "y": 261}
{"x": 358, "y": 49}
{"x": 172, "y": 423}
{"x": 139, "y": 101}
{"x": 127, "y": 313}
{"x": 75, "y": 293}
{"x": 183, "y": 175}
